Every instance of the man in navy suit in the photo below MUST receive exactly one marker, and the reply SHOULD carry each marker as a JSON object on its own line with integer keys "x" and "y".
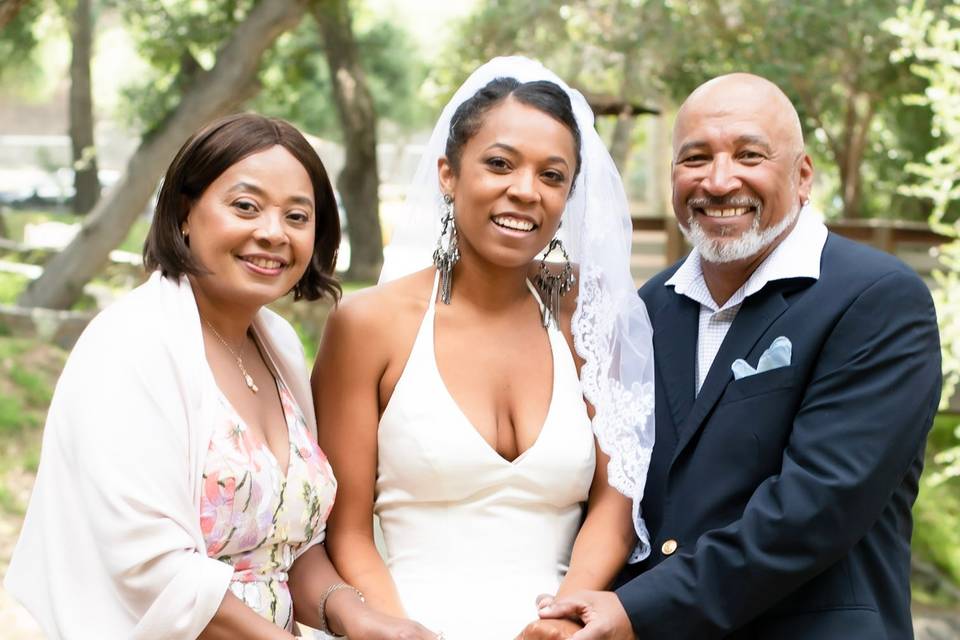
{"x": 779, "y": 493}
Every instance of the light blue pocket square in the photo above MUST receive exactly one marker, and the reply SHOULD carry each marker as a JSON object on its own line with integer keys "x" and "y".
{"x": 778, "y": 355}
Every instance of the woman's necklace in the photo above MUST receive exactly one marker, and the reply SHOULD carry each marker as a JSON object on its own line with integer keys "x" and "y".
{"x": 247, "y": 378}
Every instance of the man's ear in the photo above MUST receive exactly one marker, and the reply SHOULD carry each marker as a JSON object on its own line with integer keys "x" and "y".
{"x": 448, "y": 178}
{"x": 806, "y": 178}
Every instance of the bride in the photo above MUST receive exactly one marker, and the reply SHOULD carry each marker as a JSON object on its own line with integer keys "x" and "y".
{"x": 455, "y": 401}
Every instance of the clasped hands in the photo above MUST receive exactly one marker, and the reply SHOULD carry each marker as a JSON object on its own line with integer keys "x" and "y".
{"x": 585, "y": 615}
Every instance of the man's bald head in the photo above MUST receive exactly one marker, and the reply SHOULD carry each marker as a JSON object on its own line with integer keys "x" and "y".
{"x": 740, "y": 175}
{"x": 747, "y": 95}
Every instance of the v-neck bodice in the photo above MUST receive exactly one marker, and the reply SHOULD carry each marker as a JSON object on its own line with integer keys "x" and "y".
{"x": 458, "y": 518}
{"x": 258, "y": 518}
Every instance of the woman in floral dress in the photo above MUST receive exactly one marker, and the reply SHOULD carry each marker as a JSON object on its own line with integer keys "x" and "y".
{"x": 181, "y": 493}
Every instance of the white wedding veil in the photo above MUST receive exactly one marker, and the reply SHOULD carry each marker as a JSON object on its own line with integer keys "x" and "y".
{"x": 611, "y": 329}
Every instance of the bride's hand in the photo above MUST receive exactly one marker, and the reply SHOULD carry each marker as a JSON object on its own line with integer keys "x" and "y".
{"x": 549, "y": 630}
{"x": 373, "y": 625}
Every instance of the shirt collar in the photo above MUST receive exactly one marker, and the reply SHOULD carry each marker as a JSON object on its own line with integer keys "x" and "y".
{"x": 797, "y": 256}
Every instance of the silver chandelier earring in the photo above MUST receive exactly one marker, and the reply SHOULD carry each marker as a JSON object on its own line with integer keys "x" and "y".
{"x": 554, "y": 285}
{"x": 444, "y": 257}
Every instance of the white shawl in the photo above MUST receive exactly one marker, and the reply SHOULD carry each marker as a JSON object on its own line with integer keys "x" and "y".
{"x": 111, "y": 546}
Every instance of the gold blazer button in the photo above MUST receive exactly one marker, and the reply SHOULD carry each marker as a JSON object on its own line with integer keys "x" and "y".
{"x": 669, "y": 546}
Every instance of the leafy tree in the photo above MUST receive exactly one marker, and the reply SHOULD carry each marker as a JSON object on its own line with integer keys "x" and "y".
{"x": 296, "y": 79}
{"x": 931, "y": 41}
{"x": 9, "y": 9}
{"x": 600, "y": 47}
{"x": 202, "y": 94}
{"x": 85, "y": 180}
{"x": 18, "y": 39}
{"x": 17, "y": 44}
{"x": 378, "y": 76}
{"x": 832, "y": 59}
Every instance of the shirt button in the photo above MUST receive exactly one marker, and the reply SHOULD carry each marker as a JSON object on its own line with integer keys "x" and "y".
{"x": 669, "y": 547}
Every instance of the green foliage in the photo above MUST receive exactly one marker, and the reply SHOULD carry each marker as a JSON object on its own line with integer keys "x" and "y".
{"x": 35, "y": 389}
{"x": 296, "y": 78}
{"x": 28, "y": 372}
{"x": 18, "y": 42}
{"x": 177, "y": 39}
{"x": 937, "y": 510}
{"x": 11, "y": 286}
{"x": 603, "y": 47}
{"x": 9, "y": 503}
{"x": 931, "y": 41}
{"x": 13, "y": 417}
{"x": 832, "y": 59}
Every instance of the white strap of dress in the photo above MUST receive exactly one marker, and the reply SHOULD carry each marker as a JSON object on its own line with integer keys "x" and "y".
{"x": 436, "y": 288}
{"x": 433, "y": 294}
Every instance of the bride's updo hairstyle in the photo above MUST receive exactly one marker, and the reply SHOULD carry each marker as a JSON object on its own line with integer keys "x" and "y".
{"x": 541, "y": 94}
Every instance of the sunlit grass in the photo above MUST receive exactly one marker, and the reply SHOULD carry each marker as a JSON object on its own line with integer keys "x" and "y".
{"x": 11, "y": 286}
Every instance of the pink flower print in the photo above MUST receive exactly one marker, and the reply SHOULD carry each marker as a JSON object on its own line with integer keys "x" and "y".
{"x": 243, "y": 563}
{"x": 216, "y": 510}
{"x": 256, "y": 518}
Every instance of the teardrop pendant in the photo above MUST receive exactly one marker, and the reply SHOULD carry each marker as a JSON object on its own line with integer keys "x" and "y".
{"x": 250, "y": 383}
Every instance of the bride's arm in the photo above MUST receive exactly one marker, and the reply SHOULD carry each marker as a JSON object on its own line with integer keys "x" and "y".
{"x": 345, "y": 391}
{"x": 606, "y": 538}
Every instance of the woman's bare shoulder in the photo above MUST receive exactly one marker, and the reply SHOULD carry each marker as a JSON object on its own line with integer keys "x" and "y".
{"x": 383, "y": 307}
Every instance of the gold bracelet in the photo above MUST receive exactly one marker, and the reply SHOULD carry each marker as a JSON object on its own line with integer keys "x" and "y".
{"x": 323, "y": 604}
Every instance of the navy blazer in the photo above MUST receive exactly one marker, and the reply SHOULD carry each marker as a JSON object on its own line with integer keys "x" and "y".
{"x": 787, "y": 494}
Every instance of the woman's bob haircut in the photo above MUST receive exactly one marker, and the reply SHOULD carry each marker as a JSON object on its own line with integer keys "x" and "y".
{"x": 202, "y": 159}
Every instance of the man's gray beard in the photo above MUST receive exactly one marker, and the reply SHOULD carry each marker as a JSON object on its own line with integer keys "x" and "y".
{"x": 750, "y": 243}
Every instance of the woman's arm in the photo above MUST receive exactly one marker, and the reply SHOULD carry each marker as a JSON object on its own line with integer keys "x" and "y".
{"x": 345, "y": 383}
{"x": 311, "y": 577}
{"x": 234, "y": 619}
{"x": 606, "y": 538}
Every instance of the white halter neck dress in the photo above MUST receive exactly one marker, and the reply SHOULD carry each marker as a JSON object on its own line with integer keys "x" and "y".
{"x": 471, "y": 538}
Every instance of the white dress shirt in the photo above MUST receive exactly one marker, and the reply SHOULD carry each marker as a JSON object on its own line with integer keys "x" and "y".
{"x": 797, "y": 256}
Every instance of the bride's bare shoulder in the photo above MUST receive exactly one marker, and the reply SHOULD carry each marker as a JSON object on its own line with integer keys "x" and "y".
{"x": 386, "y": 307}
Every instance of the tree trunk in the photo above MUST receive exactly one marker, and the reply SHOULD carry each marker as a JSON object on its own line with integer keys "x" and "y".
{"x": 85, "y": 181}
{"x": 230, "y": 82}
{"x": 9, "y": 10}
{"x": 621, "y": 142}
{"x": 857, "y": 121}
{"x": 359, "y": 181}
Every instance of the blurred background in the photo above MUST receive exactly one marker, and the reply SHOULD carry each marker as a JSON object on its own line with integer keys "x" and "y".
{"x": 96, "y": 96}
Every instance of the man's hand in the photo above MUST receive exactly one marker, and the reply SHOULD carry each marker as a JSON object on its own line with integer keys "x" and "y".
{"x": 549, "y": 630}
{"x": 600, "y": 611}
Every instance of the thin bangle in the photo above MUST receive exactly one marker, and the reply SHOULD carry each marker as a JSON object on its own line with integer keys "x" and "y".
{"x": 323, "y": 605}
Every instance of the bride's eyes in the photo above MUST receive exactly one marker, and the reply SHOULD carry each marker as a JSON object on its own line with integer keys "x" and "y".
{"x": 497, "y": 163}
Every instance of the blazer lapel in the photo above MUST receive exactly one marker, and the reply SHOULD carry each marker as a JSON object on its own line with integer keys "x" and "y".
{"x": 675, "y": 352}
{"x": 754, "y": 318}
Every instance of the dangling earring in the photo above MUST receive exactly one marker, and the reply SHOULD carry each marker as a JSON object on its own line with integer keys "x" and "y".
{"x": 554, "y": 285}
{"x": 445, "y": 257}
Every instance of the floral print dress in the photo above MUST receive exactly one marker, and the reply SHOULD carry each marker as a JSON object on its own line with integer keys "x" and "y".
{"x": 257, "y": 519}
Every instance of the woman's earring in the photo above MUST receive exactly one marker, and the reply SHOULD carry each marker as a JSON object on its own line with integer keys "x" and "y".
{"x": 444, "y": 257}
{"x": 554, "y": 285}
